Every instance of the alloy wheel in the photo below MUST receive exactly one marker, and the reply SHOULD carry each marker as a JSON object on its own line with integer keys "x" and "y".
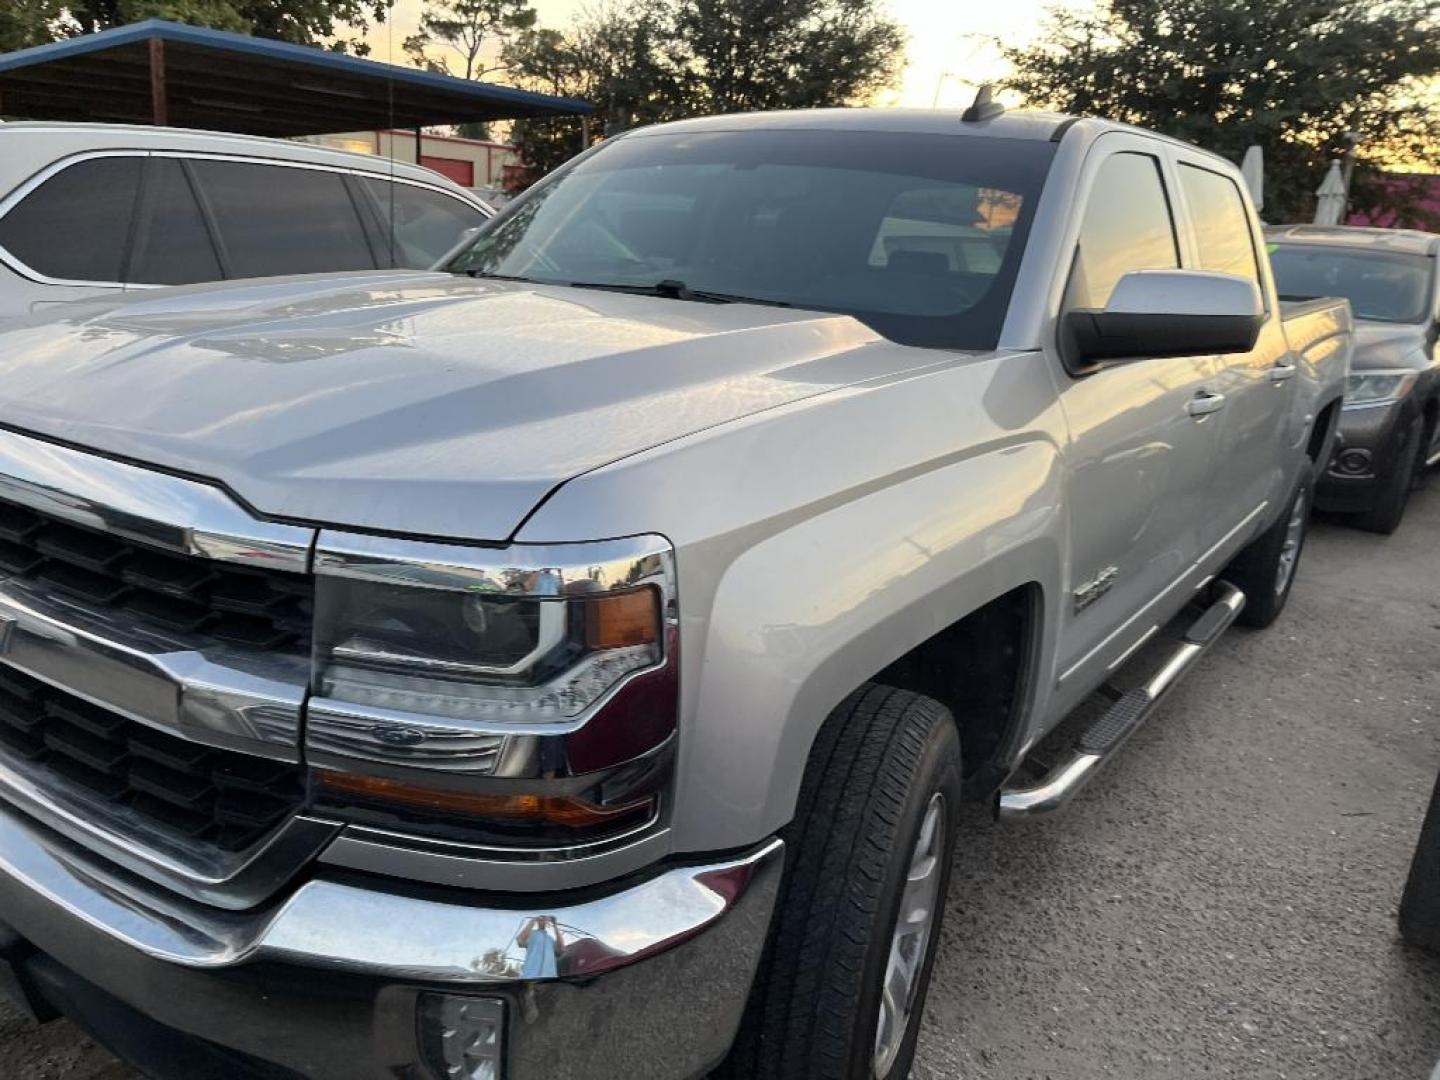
{"x": 910, "y": 941}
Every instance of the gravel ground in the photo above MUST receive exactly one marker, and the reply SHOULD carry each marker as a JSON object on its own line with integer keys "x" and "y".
{"x": 1221, "y": 903}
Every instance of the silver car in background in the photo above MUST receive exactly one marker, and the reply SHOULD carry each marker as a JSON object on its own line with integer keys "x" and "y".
{"x": 91, "y": 209}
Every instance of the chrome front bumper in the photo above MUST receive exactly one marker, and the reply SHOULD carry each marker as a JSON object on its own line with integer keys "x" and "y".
{"x": 648, "y": 981}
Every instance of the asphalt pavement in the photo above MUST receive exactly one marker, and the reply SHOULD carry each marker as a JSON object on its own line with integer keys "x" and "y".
{"x": 1221, "y": 902}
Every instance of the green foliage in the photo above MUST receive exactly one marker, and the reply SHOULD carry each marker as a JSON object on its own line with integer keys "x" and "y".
{"x": 743, "y": 55}
{"x": 304, "y": 22}
{"x": 655, "y": 60}
{"x": 24, "y": 23}
{"x": 464, "y": 30}
{"x": 1292, "y": 76}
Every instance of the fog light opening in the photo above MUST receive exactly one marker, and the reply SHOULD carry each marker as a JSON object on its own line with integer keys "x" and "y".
{"x": 462, "y": 1038}
{"x": 1352, "y": 462}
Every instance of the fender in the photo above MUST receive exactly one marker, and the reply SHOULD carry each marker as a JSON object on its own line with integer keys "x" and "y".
{"x": 818, "y": 541}
{"x": 801, "y": 620}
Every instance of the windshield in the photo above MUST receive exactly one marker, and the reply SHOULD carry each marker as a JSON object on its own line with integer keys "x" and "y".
{"x": 1382, "y": 286}
{"x": 919, "y": 236}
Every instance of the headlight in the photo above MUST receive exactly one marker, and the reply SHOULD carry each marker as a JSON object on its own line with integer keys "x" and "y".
{"x": 1374, "y": 387}
{"x": 531, "y": 687}
{"x": 460, "y": 633}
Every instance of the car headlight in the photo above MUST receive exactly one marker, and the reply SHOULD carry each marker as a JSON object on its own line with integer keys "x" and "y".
{"x": 525, "y": 636}
{"x": 1375, "y": 387}
{"x": 443, "y": 674}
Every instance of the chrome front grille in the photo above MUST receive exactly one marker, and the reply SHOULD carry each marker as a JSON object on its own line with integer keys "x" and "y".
{"x": 190, "y": 793}
{"x": 154, "y": 663}
{"x": 245, "y": 606}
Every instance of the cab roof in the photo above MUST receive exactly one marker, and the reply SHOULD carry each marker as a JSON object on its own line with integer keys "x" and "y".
{"x": 1011, "y": 124}
{"x": 1008, "y": 125}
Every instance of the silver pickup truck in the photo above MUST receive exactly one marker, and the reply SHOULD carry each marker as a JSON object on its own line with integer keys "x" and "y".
{"x": 570, "y": 664}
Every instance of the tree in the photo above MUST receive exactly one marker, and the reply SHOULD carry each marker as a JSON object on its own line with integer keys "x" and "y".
{"x": 657, "y": 60}
{"x": 467, "y": 29}
{"x": 614, "y": 58}
{"x": 1293, "y": 77}
{"x": 24, "y": 23}
{"x": 303, "y": 22}
{"x": 743, "y": 55}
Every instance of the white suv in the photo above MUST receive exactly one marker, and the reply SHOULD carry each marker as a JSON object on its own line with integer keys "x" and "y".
{"x": 86, "y": 208}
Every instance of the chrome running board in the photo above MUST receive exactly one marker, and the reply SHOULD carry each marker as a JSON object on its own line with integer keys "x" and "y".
{"x": 1103, "y": 739}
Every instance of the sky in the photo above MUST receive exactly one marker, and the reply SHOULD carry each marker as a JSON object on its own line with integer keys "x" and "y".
{"x": 949, "y": 55}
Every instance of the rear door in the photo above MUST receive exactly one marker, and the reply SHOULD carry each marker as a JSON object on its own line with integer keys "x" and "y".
{"x": 172, "y": 242}
{"x": 1140, "y": 459}
{"x": 272, "y": 219}
{"x": 1258, "y": 387}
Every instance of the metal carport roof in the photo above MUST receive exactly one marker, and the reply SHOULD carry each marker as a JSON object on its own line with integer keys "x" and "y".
{"x": 158, "y": 72}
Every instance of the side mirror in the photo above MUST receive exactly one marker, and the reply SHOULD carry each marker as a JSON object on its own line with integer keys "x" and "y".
{"x": 1169, "y": 313}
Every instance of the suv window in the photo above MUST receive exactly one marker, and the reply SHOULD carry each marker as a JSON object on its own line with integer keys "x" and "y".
{"x": 427, "y": 223}
{"x": 301, "y": 221}
{"x": 172, "y": 244}
{"x": 75, "y": 225}
{"x": 1127, "y": 226}
{"x": 1222, "y": 228}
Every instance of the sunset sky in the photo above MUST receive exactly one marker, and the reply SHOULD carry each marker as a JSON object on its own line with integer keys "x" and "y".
{"x": 949, "y": 49}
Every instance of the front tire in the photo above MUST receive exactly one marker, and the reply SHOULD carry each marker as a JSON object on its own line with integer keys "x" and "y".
{"x": 1265, "y": 571}
{"x": 1389, "y": 508}
{"x": 842, "y": 984}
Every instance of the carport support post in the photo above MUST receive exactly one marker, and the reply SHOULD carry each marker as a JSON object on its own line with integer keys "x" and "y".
{"x": 159, "y": 98}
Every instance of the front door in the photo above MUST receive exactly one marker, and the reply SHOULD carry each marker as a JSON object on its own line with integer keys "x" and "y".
{"x": 1141, "y": 451}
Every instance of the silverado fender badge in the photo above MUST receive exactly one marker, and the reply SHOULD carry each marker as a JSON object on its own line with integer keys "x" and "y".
{"x": 1095, "y": 588}
{"x": 397, "y": 735}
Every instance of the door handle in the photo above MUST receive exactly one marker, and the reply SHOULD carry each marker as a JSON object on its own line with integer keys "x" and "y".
{"x": 1204, "y": 403}
{"x": 1280, "y": 372}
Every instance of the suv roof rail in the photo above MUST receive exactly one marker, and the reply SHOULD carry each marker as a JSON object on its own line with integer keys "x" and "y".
{"x": 984, "y": 107}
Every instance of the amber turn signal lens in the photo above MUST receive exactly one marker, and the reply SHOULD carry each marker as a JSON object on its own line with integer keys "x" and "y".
{"x": 621, "y": 619}
{"x": 564, "y": 810}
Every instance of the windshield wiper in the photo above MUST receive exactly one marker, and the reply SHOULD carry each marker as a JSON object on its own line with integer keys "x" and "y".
{"x": 508, "y": 277}
{"x": 670, "y": 289}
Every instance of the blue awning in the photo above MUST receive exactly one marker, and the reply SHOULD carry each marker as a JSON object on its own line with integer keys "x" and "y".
{"x": 163, "y": 72}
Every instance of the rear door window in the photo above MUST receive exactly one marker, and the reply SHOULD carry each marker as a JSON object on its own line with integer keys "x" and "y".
{"x": 427, "y": 223}
{"x": 278, "y": 220}
{"x": 172, "y": 245}
{"x": 1222, "y": 228}
{"x": 75, "y": 226}
{"x": 1127, "y": 226}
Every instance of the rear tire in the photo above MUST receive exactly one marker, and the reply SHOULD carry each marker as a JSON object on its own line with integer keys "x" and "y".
{"x": 883, "y": 776}
{"x": 1389, "y": 508}
{"x": 1265, "y": 571}
{"x": 1420, "y": 906}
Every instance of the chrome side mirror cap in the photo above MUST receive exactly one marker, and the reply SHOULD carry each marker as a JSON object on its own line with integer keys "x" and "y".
{"x": 1169, "y": 313}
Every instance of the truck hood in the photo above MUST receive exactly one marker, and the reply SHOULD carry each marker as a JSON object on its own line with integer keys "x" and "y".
{"x": 1390, "y": 345}
{"x": 411, "y": 402}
